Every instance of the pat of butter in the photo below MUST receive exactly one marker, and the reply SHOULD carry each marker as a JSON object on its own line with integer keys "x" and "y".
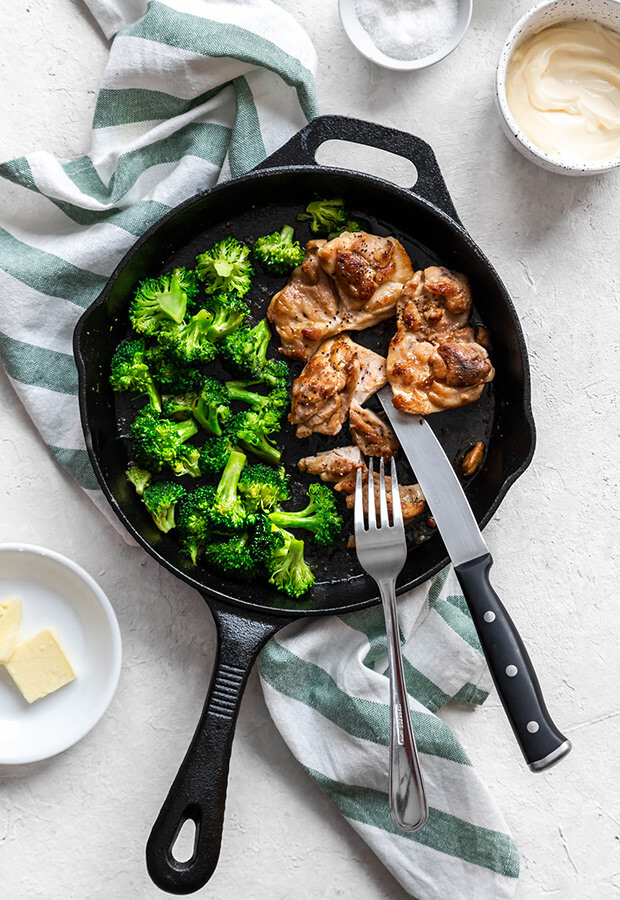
{"x": 10, "y": 620}
{"x": 38, "y": 666}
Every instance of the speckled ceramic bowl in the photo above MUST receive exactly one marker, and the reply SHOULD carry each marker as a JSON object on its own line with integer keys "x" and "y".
{"x": 607, "y": 12}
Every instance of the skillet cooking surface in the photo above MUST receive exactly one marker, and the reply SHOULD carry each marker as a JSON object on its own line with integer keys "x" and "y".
{"x": 259, "y": 204}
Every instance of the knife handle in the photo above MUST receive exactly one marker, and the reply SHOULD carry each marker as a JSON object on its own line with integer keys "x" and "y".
{"x": 513, "y": 673}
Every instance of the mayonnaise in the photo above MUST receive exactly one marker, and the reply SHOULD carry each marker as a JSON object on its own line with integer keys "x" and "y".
{"x": 563, "y": 89}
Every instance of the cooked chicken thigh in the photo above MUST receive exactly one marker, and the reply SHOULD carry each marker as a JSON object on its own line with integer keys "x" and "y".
{"x": 369, "y": 273}
{"x": 368, "y": 277}
{"x": 332, "y": 465}
{"x": 372, "y": 432}
{"x": 337, "y": 373}
{"x": 434, "y": 361}
{"x": 305, "y": 311}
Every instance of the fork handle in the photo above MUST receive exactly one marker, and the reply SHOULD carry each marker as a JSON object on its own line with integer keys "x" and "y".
{"x": 408, "y": 804}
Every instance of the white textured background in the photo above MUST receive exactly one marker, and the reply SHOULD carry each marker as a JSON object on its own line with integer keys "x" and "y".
{"x": 75, "y": 826}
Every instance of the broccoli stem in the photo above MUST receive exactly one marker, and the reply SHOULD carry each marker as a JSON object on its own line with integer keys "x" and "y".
{"x": 185, "y": 429}
{"x": 263, "y": 449}
{"x": 227, "y": 487}
{"x": 302, "y": 518}
{"x": 287, "y": 234}
{"x": 237, "y": 391}
{"x": 173, "y": 302}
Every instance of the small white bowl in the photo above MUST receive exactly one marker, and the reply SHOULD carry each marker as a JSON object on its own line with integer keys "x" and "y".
{"x": 56, "y": 593}
{"x": 360, "y": 38}
{"x": 606, "y": 12}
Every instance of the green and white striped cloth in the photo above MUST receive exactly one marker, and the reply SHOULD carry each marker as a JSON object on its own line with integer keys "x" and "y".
{"x": 196, "y": 91}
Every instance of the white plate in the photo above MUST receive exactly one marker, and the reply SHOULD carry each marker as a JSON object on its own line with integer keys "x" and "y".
{"x": 56, "y": 593}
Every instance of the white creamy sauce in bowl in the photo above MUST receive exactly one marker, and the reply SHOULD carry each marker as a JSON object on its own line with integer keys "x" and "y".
{"x": 563, "y": 90}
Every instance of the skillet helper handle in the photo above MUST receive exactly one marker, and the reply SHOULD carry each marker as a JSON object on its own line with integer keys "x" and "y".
{"x": 302, "y": 147}
{"x": 540, "y": 740}
{"x": 199, "y": 789}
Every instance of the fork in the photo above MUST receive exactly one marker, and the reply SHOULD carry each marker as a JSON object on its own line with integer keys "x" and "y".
{"x": 382, "y": 551}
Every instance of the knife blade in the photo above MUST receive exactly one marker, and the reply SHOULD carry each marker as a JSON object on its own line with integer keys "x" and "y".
{"x": 541, "y": 742}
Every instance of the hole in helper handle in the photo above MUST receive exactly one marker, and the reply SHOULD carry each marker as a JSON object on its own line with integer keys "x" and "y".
{"x": 199, "y": 789}
{"x": 302, "y": 147}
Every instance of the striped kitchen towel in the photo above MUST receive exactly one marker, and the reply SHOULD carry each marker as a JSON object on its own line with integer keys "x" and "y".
{"x": 196, "y": 91}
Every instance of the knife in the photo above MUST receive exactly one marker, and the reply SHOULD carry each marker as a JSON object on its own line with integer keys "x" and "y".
{"x": 541, "y": 742}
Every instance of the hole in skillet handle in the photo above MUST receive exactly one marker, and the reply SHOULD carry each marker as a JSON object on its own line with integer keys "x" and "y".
{"x": 302, "y": 149}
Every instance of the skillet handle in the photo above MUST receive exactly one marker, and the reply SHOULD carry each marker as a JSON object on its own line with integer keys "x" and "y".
{"x": 199, "y": 789}
{"x": 302, "y": 147}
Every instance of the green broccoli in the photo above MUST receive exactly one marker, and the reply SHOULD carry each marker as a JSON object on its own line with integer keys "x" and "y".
{"x": 139, "y": 478}
{"x": 158, "y": 442}
{"x": 189, "y": 342}
{"x": 161, "y": 499}
{"x": 212, "y": 406}
{"x": 251, "y": 429}
{"x": 159, "y": 302}
{"x": 226, "y": 267}
{"x": 214, "y": 454}
{"x": 171, "y": 374}
{"x": 192, "y": 519}
{"x": 263, "y": 488}
{"x": 244, "y": 352}
{"x": 130, "y": 371}
{"x": 283, "y": 557}
{"x": 232, "y": 557}
{"x": 329, "y": 217}
{"x": 228, "y": 312}
{"x": 178, "y": 407}
{"x": 278, "y": 253}
{"x": 227, "y": 513}
{"x": 320, "y": 515}
{"x": 273, "y": 406}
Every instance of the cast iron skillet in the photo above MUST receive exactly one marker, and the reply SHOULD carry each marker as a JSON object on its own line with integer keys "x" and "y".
{"x": 247, "y": 616}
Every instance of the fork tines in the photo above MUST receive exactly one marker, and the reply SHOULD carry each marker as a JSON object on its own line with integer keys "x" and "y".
{"x": 384, "y": 518}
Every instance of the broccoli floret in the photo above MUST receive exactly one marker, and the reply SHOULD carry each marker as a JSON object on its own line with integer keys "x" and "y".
{"x": 283, "y": 557}
{"x": 227, "y": 513}
{"x": 214, "y": 454}
{"x": 226, "y": 267}
{"x": 228, "y": 312}
{"x": 189, "y": 342}
{"x": 139, "y": 478}
{"x": 263, "y": 488}
{"x": 192, "y": 518}
{"x": 275, "y": 373}
{"x": 278, "y": 253}
{"x": 244, "y": 351}
{"x": 320, "y": 515}
{"x": 159, "y": 302}
{"x": 178, "y": 407}
{"x": 350, "y": 225}
{"x": 273, "y": 406}
{"x": 159, "y": 442}
{"x": 161, "y": 499}
{"x": 328, "y": 217}
{"x": 212, "y": 409}
{"x": 232, "y": 557}
{"x": 130, "y": 372}
{"x": 171, "y": 374}
{"x": 251, "y": 429}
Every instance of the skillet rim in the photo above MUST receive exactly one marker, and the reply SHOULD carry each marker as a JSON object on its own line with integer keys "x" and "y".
{"x": 251, "y": 608}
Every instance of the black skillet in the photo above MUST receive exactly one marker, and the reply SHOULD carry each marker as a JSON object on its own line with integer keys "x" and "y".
{"x": 247, "y": 616}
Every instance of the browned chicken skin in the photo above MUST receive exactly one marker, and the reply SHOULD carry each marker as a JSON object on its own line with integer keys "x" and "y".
{"x": 369, "y": 273}
{"x": 337, "y": 373}
{"x": 434, "y": 361}
{"x": 349, "y": 283}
